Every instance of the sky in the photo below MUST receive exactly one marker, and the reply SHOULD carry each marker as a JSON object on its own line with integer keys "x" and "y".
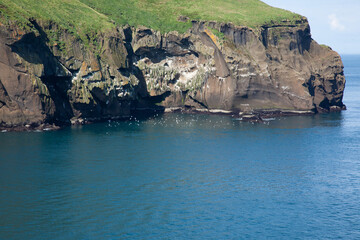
{"x": 335, "y": 23}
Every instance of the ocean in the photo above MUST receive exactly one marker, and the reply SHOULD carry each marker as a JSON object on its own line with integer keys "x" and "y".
{"x": 184, "y": 176}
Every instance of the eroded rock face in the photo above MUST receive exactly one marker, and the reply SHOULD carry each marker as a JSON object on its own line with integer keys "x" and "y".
{"x": 48, "y": 82}
{"x": 240, "y": 70}
{"x": 280, "y": 67}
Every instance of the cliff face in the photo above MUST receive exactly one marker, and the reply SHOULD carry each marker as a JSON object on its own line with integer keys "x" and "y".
{"x": 278, "y": 67}
{"x": 213, "y": 66}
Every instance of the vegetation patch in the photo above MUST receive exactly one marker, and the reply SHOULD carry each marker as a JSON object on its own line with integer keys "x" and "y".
{"x": 91, "y": 16}
{"x": 218, "y": 34}
{"x": 87, "y": 19}
{"x": 325, "y": 46}
{"x": 71, "y": 15}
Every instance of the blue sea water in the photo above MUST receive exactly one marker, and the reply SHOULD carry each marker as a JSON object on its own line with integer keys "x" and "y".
{"x": 187, "y": 177}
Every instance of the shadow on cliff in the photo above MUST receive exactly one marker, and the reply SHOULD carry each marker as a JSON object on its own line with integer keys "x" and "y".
{"x": 146, "y": 105}
{"x": 52, "y": 73}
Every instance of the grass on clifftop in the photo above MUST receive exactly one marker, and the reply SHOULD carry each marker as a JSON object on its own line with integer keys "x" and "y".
{"x": 163, "y": 14}
{"x": 71, "y": 15}
{"x": 83, "y": 16}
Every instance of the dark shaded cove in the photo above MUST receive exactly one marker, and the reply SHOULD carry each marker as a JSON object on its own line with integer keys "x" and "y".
{"x": 33, "y": 49}
{"x": 58, "y": 88}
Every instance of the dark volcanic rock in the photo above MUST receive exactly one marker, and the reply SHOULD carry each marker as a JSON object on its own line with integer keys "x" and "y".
{"x": 272, "y": 68}
{"x": 43, "y": 83}
{"x": 242, "y": 70}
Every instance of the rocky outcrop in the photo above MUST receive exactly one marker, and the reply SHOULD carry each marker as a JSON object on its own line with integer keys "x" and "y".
{"x": 48, "y": 76}
{"x": 273, "y": 68}
{"x": 63, "y": 81}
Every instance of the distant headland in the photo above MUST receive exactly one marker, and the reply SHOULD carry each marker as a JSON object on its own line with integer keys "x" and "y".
{"x": 78, "y": 61}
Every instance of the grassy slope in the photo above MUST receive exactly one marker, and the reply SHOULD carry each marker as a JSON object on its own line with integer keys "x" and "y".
{"x": 91, "y": 16}
{"x": 72, "y": 15}
{"x": 162, "y": 14}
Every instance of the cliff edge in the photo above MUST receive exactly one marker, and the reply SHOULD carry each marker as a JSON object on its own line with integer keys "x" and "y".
{"x": 50, "y": 75}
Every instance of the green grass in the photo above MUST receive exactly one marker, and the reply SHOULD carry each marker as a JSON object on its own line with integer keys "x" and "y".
{"x": 218, "y": 34}
{"x": 163, "y": 14}
{"x": 91, "y": 16}
{"x": 71, "y": 15}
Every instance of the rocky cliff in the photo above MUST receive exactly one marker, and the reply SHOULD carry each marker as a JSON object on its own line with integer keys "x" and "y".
{"x": 212, "y": 67}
